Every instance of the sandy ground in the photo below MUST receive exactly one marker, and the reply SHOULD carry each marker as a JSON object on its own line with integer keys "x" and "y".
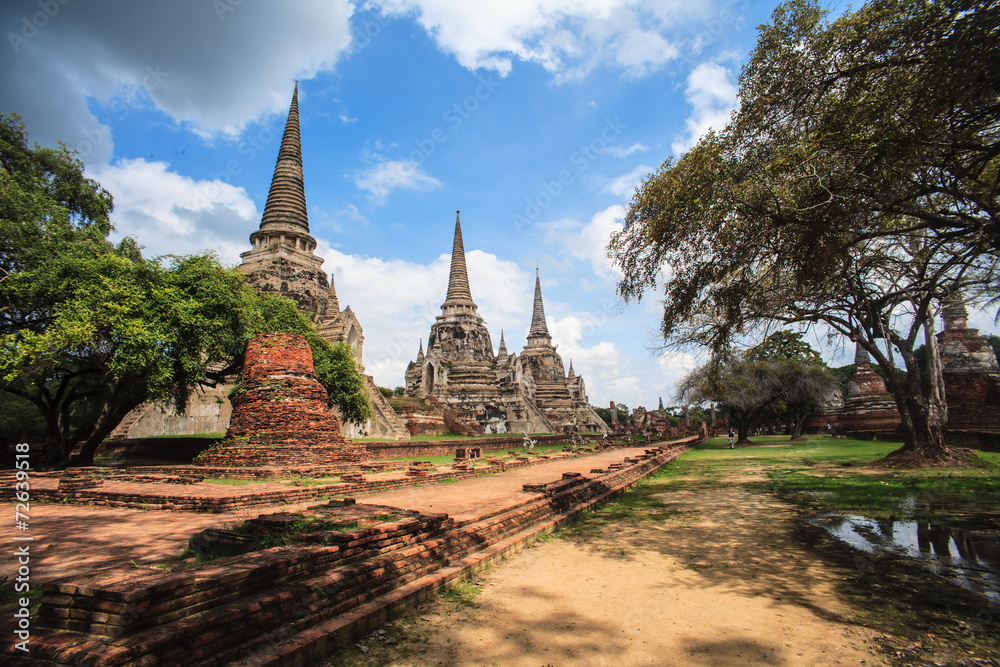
{"x": 718, "y": 580}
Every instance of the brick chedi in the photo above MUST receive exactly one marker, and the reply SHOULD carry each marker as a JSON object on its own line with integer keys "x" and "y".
{"x": 280, "y": 412}
{"x": 970, "y": 371}
{"x": 868, "y": 406}
{"x": 502, "y": 391}
{"x": 282, "y": 260}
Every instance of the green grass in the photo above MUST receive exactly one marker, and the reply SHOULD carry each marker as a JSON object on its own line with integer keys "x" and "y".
{"x": 462, "y": 593}
{"x": 297, "y": 480}
{"x": 836, "y": 474}
{"x": 224, "y": 481}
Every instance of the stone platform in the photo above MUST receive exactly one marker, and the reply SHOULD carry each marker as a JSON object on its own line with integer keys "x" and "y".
{"x": 326, "y": 593}
{"x": 183, "y": 488}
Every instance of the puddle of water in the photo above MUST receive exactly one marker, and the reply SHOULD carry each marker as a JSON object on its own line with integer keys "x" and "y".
{"x": 968, "y": 558}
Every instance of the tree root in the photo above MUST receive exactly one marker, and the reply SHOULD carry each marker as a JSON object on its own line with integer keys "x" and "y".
{"x": 904, "y": 458}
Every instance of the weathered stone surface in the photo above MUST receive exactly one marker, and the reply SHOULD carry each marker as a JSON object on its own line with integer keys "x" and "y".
{"x": 868, "y": 405}
{"x": 280, "y": 412}
{"x": 971, "y": 374}
{"x": 504, "y": 392}
{"x": 282, "y": 261}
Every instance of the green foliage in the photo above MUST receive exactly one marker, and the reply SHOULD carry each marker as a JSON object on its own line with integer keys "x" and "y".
{"x": 386, "y": 392}
{"x": 399, "y": 391}
{"x": 783, "y": 345}
{"x": 89, "y": 329}
{"x": 603, "y": 413}
{"x": 855, "y": 185}
{"x": 345, "y": 384}
{"x": 20, "y": 419}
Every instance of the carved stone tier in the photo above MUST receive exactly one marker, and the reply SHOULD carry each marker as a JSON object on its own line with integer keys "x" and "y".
{"x": 868, "y": 406}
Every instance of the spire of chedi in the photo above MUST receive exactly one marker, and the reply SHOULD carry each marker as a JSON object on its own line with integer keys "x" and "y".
{"x": 459, "y": 299}
{"x": 286, "y": 201}
{"x": 282, "y": 258}
{"x": 538, "y": 334}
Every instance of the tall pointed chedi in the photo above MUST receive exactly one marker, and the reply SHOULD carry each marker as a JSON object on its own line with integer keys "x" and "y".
{"x": 541, "y": 361}
{"x": 286, "y": 201}
{"x": 282, "y": 258}
{"x": 459, "y": 298}
{"x": 458, "y": 331}
{"x": 538, "y": 334}
{"x": 561, "y": 398}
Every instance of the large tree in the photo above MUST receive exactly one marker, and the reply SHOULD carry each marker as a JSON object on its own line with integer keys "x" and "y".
{"x": 855, "y": 186}
{"x": 804, "y": 380}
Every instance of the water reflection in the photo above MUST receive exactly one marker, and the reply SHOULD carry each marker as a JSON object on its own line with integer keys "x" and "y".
{"x": 969, "y": 558}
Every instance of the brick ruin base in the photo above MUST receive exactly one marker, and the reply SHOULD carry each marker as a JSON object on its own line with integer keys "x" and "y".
{"x": 280, "y": 412}
{"x": 285, "y": 605}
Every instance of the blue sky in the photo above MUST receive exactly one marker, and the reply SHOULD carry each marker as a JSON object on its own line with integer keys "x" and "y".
{"x": 535, "y": 118}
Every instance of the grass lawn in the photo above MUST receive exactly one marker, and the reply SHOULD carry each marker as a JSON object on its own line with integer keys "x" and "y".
{"x": 837, "y": 474}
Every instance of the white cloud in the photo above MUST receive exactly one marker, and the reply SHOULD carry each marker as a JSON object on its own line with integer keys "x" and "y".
{"x": 588, "y": 242}
{"x": 671, "y": 369}
{"x": 566, "y": 38}
{"x": 215, "y": 66}
{"x": 386, "y": 176}
{"x": 618, "y": 151}
{"x": 712, "y": 95}
{"x": 641, "y": 52}
{"x": 173, "y": 214}
{"x": 625, "y": 185}
{"x": 397, "y": 301}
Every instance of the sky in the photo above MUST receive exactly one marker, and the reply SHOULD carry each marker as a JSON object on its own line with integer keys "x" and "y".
{"x": 536, "y": 118}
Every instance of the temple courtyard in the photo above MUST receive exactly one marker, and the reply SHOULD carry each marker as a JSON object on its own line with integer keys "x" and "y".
{"x": 542, "y": 561}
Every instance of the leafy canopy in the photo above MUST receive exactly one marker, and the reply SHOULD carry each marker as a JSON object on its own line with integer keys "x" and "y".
{"x": 856, "y": 185}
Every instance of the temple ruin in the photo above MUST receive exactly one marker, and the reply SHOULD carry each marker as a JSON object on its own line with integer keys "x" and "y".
{"x": 280, "y": 412}
{"x": 971, "y": 387}
{"x": 970, "y": 372}
{"x": 503, "y": 392}
{"x": 282, "y": 261}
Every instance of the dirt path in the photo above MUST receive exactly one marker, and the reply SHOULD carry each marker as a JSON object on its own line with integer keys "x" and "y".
{"x": 716, "y": 579}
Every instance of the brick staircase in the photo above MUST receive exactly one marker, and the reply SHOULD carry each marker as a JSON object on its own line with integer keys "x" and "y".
{"x": 288, "y": 605}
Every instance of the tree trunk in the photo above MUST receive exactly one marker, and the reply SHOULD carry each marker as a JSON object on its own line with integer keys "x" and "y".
{"x": 922, "y": 407}
{"x": 121, "y": 402}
